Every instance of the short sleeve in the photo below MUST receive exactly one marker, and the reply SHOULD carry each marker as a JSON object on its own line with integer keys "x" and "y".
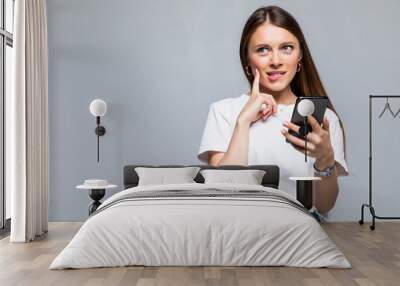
{"x": 217, "y": 133}
{"x": 336, "y": 136}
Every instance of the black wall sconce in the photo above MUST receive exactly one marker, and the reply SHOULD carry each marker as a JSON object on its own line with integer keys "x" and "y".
{"x": 98, "y": 108}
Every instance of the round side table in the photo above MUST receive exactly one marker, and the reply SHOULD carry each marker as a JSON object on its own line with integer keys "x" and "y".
{"x": 304, "y": 190}
{"x": 96, "y": 193}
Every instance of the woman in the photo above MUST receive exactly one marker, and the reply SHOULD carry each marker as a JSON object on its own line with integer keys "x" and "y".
{"x": 252, "y": 128}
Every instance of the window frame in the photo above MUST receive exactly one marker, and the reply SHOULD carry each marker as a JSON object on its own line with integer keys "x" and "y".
{"x": 6, "y": 39}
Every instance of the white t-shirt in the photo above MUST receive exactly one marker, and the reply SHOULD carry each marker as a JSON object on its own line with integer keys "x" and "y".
{"x": 267, "y": 145}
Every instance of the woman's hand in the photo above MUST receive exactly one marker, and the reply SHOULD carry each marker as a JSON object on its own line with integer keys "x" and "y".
{"x": 318, "y": 142}
{"x": 259, "y": 105}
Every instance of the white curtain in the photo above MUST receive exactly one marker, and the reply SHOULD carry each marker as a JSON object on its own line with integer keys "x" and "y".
{"x": 27, "y": 123}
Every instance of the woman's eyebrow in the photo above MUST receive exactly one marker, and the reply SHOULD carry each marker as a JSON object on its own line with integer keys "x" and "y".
{"x": 261, "y": 45}
{"x": 284, "y": 43}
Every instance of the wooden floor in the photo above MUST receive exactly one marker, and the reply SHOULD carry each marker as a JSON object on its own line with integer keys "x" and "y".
{"x": 374, "y": 255}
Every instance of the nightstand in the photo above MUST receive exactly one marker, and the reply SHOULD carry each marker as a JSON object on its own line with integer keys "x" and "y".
{"x": 97, "y": 189}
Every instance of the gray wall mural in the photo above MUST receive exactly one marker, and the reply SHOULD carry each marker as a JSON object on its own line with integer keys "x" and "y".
{"x": 160, "y": 64}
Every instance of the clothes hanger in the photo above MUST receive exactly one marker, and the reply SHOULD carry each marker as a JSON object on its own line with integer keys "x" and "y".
{"x": 387, "y": 106}
{"x": 398, "y": 111}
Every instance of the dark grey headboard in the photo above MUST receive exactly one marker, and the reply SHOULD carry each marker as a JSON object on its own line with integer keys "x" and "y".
{"x": 270, "y": 179}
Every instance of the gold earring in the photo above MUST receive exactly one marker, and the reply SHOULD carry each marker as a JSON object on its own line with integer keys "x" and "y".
{"x": 247, "y": 70}
{"x": 298, "y": 67}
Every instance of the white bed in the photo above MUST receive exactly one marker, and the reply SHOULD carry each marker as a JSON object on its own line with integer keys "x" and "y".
{"x": 205, "y": 230}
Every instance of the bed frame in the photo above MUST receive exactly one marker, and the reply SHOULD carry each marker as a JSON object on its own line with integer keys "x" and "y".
{"x": 270, "y": 179}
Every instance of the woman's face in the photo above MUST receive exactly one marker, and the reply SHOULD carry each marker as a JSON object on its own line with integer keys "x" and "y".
{"x": 275, "y": 52}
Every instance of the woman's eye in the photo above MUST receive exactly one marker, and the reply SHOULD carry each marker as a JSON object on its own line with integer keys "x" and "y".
{"x": 288, "y": 48}
{"x": 262, "y": 50}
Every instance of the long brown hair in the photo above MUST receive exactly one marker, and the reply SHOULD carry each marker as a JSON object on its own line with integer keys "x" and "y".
{"x": 306, "y": 82}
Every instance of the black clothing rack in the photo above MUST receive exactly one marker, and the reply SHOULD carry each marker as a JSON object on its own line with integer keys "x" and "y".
{"x": 369, "y": 205}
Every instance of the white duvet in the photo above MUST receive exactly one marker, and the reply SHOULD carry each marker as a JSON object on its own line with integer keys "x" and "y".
{"x": 200, "y": 231}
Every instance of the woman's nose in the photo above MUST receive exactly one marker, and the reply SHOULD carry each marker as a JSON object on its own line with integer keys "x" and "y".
{"x": 275, "y": 59}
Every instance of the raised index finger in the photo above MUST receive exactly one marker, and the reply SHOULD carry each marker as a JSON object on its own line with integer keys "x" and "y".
{"x": 256, "y": 83}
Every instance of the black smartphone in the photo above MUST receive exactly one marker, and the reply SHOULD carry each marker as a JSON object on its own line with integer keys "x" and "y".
{"x": 320, "y": 104}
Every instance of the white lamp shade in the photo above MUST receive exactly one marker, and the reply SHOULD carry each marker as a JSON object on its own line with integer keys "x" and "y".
{"x": 305, "y": 107}
{"x": 98, "y": 107}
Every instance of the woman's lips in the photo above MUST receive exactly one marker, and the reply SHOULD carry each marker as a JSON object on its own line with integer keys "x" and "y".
{"x": 275, "y": 75}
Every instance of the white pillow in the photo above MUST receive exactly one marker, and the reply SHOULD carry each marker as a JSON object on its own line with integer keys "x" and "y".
{"x": 162, "y": 176}
{"x": 249, "y": 177}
